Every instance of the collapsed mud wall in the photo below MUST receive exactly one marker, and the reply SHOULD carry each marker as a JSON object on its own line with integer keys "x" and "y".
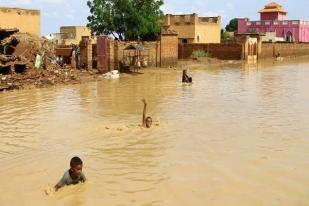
{"x": 26, "y": 59}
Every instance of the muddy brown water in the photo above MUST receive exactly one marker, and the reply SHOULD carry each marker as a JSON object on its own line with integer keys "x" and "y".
{"x": 237, "y": 136}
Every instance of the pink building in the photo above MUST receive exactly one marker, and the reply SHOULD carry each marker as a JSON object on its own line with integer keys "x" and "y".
{"x": 273, "y": 21}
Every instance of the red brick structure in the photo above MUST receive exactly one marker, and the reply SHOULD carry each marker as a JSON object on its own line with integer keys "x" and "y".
{"x": 102, "y": 51}
{"x": 86, "y": 52}
{"x": 168, "y": 48}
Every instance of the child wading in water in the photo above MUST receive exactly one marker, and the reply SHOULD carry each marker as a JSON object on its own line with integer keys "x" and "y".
{"x": 74, "y": 175}
{"x": 147, "y": 121}
{"x": 185, "y": 77}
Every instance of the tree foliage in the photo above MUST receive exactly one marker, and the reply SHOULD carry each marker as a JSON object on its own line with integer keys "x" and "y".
{"x": 225, "y": 35}
{"x": 125, "y": 19}
{"x": 232, "y": 26}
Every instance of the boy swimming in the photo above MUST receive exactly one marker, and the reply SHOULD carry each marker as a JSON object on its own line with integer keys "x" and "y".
{"x": 147, "y": 121}
{"x": 74, "y": 175}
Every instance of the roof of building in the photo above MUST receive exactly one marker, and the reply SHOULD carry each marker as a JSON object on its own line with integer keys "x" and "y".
{"x": 189, "y": 15}
{"x": 18, "y": 9}
{"x": 273, "y": 7}
{"x": 73, "y": 27}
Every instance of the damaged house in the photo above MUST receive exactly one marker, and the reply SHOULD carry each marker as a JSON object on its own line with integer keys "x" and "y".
{"x": 25, "y": 20}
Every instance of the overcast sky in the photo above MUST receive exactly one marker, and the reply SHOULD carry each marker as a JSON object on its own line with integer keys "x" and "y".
{"x": 56, "y": 13}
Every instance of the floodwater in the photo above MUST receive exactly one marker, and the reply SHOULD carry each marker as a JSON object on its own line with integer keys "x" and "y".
{"x": 237, "y": 136}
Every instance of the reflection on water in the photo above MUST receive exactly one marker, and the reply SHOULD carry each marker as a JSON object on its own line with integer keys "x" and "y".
{"x": 237, "y": 136}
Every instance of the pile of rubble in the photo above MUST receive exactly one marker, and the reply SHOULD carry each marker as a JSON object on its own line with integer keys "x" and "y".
{"x": 30, "y": 61}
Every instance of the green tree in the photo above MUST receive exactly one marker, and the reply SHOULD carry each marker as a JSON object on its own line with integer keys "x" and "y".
{"x": 225, "y": 35}
{"x": 125, "y": 19}
{"x": 232, "y": 26}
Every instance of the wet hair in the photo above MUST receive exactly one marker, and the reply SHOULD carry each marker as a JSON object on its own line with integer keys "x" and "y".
{"x": 150, "y": 120}
{"x": 75, "y": 161}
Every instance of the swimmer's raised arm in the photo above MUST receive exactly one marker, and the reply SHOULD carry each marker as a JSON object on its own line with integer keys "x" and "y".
{"x": 144, "y": 112}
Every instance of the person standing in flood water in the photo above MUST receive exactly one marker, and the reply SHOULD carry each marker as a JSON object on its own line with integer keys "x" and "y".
{"x": 185, "y": 77}
{"x": 74, "y": 175}
{"x": 147, "y": 121}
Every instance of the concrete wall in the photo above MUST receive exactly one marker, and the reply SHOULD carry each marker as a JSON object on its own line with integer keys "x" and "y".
{"x": 269, "y": 50}
{"x": 209, "y": 33}
{"x": 242, "y": 25}
{"x": 231, "y": 51}
{"x": 185, "y": 32}
{"x": 27, "y": 21}
{"x": 193, "y": 28}
{"x": 73, "y": 34}
{"x": 304, "y": 31}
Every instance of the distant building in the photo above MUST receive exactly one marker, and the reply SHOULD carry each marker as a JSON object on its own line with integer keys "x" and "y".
{"x": 69, "y": 35}
{"x": 54, "y": 36}
{"x": 25, "y": 20}
{"x": 194, "y": 29}
{"x": 274, "y": 24}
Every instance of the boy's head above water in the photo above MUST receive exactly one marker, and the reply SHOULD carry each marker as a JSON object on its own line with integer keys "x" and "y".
{"x": 76, "y": 165}
{"x": 148, "y": 122}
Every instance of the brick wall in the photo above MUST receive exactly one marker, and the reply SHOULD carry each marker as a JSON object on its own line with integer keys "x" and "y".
{"x": 168, "y": 50}
{"x": 231, "y": 51}
{"x": 83, "y": 52}
{"x": 269, "y": 50}
{"x": 111, "y": 59}
{"x": 86, "y": 55}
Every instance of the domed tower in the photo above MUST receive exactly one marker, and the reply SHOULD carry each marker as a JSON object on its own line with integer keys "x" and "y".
{"x": 272, "y": 12}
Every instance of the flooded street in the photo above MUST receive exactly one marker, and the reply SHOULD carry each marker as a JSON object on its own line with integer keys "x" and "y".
{"x": 237, "y": 136}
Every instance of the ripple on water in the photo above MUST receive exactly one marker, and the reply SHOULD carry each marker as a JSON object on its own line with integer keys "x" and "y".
{"x": 234, "y": 137}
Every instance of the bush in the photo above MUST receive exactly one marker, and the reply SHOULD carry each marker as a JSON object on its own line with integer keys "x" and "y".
{"x": 225, "y": 35}
{"x": 199, "y": 53}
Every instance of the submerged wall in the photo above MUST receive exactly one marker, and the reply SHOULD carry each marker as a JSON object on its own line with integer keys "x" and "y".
{"x": 270, "y": 50}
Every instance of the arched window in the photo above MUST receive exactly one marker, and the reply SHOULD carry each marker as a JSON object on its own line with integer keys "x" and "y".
{"x": 289, "y": 37}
